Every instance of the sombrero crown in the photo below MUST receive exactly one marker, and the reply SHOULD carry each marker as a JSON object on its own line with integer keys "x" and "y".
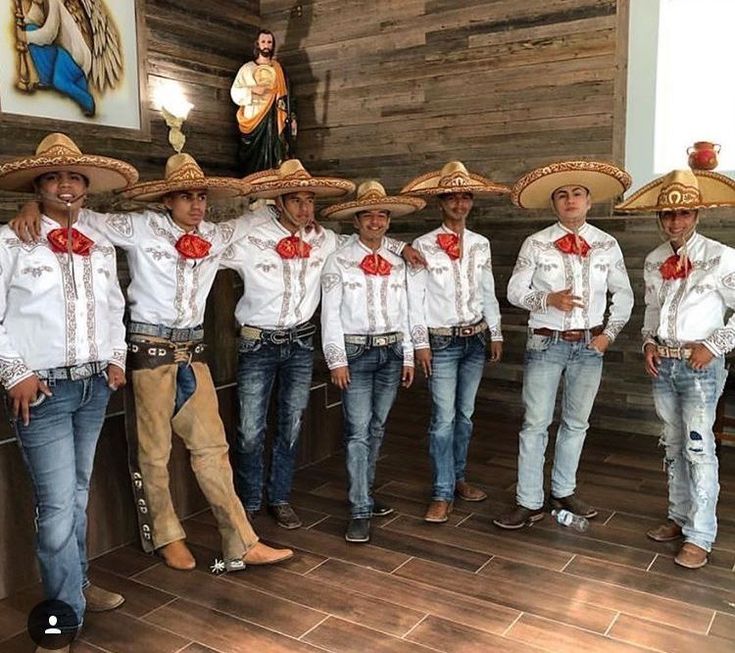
{"x": 183, "y": 173}
{"x": 292, "y": 177}
{"x": 682, "y": 190}
{"x": 57, "y": 152}
{"x": 371, "y": 196}
{"x": 453, "y": 178}
{"x": 604, "y": 181}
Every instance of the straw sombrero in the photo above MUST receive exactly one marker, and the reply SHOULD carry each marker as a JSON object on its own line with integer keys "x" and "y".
{"x": 183, "y": 173}
{"x": 682, "y": 189}
{"x": 58, "y": 152}
{"x": 371, "y": 196}
{"x": 604, "y": 181}
{"x": 453, "y": 178}
{"x": 292, "y": 177}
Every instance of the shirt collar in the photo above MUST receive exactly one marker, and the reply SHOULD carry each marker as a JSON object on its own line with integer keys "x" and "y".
{"x": 582, "y": 229}
{"x": 694, "y": 239}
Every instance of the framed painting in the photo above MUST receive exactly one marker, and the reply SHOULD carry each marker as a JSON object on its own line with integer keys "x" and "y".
{"x": 78, "y": 61}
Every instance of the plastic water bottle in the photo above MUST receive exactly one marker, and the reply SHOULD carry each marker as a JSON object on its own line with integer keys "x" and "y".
{"x": 566, "y": 518}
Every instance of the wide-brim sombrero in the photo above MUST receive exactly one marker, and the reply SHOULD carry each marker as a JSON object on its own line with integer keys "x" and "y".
{"x": 292, "y": 177}
{"x": 371, "y": 196}
{"x": 453, "y": 178}
{"x": 57, "y": 152}
{"x": 183, "y": 174}
{"x": 682, "y": 190}
{"x": 603, "y": 180}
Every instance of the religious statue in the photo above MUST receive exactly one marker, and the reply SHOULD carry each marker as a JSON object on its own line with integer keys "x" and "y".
{"x": 265, "y": 116}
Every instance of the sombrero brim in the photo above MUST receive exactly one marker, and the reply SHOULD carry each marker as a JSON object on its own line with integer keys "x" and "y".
{"x": 104, "y": 174}
{"x": 396, "y": 206}
{"x": 217, "y": 188}
{"x": 427, "y": 185}
{"x": 604, "y": 181}
{"x": 320, "y": 186}
{"x": 715, "y": 190}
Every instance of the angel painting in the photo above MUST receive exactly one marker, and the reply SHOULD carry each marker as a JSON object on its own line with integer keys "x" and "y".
{"x": 72, "y": 46}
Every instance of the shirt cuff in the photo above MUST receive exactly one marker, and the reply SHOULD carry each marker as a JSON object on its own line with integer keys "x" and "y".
{"x": 496, "y": 335}
{"x": 721, "y": 341}
{"x": 335, "y": 356}
{"x": 118, "y": 358}
{"x": 420, "y": 337}
{"x": 535, "y": 301}
{"x": 12, "y": 372}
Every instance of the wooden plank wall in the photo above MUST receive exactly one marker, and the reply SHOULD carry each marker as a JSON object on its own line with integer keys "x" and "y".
{"x": 392, "y": 89}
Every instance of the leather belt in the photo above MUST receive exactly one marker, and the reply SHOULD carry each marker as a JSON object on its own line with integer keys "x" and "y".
{"x": 277, "y": 336}
{"x": 375, "y": 340}
{"x": 169, "y": 333}
{"x": 74, "y": 373}
{"x": 144, "y": 354}
{"x": 459, "y": 331}
{"x": 573, "y": 335}
{"x": 682, "y": 353}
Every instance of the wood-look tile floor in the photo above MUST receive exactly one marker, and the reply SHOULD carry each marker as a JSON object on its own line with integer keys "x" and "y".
{"x": 463, "y": 586}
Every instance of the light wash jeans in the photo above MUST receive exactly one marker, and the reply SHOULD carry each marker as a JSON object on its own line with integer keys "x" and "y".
{"x": 58, "y": 447}
{"x": 457, "y": 365}
{"x": 375, "y": 374}
{"x": 259, "y": 365}
{"x": 686, "y": 400}
{"x": 548, "y": 360}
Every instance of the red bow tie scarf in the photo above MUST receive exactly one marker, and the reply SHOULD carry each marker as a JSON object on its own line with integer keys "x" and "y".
{"x": 193, "y": 246}
{"x": 293, "y": 247}
{"x": 573, "y": 244}
{"x": 450, "y": 244}
{"x": 375, "y": 265}
{"x": 675, "y": 267}
{"x": 59, "y": 241}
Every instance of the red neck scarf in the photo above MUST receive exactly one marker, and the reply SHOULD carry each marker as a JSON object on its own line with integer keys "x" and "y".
{"x": 293, "y": 247}
{"x": 450, "y": 244}
{"x": 375, "y": 264}
{"x": 674, "y": 268}
{"x": 193, "y": 246}
{"x": 573, "y": 244}
{"x": 80, "y": 244}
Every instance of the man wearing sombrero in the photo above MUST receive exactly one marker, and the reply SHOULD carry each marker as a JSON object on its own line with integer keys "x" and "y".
{"x": 62, "y": 351}
{"x": 173, "y": 257}
{"x": 365, "y": 337}
{"x": 454, "y": 315}
{"x": 562, "y": 277}
{"x": 280, "y": 263}
{"x": 690, "y": 285}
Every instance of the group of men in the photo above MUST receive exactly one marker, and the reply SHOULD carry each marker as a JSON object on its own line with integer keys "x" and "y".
{"x": 386, "y": 307}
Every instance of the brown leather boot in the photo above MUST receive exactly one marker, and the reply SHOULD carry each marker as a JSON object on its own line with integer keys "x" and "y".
{"x": 467, "y": 492}
{"x": 100, "y": 600}
{"x": 262, "y": 554}
{"x": 691, "y": 556}
{"x": 438, "y": 512}
{"x": 177, "y": 556}
{"x": 666, "y": 532}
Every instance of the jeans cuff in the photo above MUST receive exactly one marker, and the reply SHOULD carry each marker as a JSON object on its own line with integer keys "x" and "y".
{"x": 707, "y": 546}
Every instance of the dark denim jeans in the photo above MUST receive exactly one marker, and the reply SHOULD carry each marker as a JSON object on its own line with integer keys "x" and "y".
{"x": 259, "y": 365}
{"x": 457, "y": 365}
{"x": 58, "y": 447}
{"x": 375, "y": 374}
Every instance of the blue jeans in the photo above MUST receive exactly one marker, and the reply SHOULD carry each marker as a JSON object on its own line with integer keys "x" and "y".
{"x": 547, "y": 360}
{"x": 686, "y": 400}
{"x": 457, "y": 365}
{"x": 58, "y": 447}
{"x": 375, "y": 374}
{"x": 259, "y": 365}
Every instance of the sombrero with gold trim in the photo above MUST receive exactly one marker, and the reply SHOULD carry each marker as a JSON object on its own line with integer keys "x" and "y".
{"x": 682, "y": 190}
{"x": 292, "y": 177}
{"x": 58, "y": 152}
{"x": 453, "y": 178}
{"x": 183, "y": 173}
{"x": 604, "y": 181}
{"x": 371, "y": 196}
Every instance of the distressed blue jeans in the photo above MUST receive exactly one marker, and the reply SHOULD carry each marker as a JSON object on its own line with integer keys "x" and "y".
{"x": 457, "y": 365}
{"x": 259, "y": 366}
{"x": 58, "y": 447}
{"x": 375, "y": 374}
{"x": 686, "y": 400}
{"x": 549, "y": 361}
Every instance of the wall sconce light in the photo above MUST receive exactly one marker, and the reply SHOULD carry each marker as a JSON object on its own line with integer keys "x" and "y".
{"x": 175, "y": 109}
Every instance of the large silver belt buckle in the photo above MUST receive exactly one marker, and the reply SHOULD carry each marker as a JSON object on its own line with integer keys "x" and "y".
{"x": 380, "y": 341}
{"x": 80, "y": 372}
{"x": 279, "y": 337}
{"x": 467, "y": 331}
